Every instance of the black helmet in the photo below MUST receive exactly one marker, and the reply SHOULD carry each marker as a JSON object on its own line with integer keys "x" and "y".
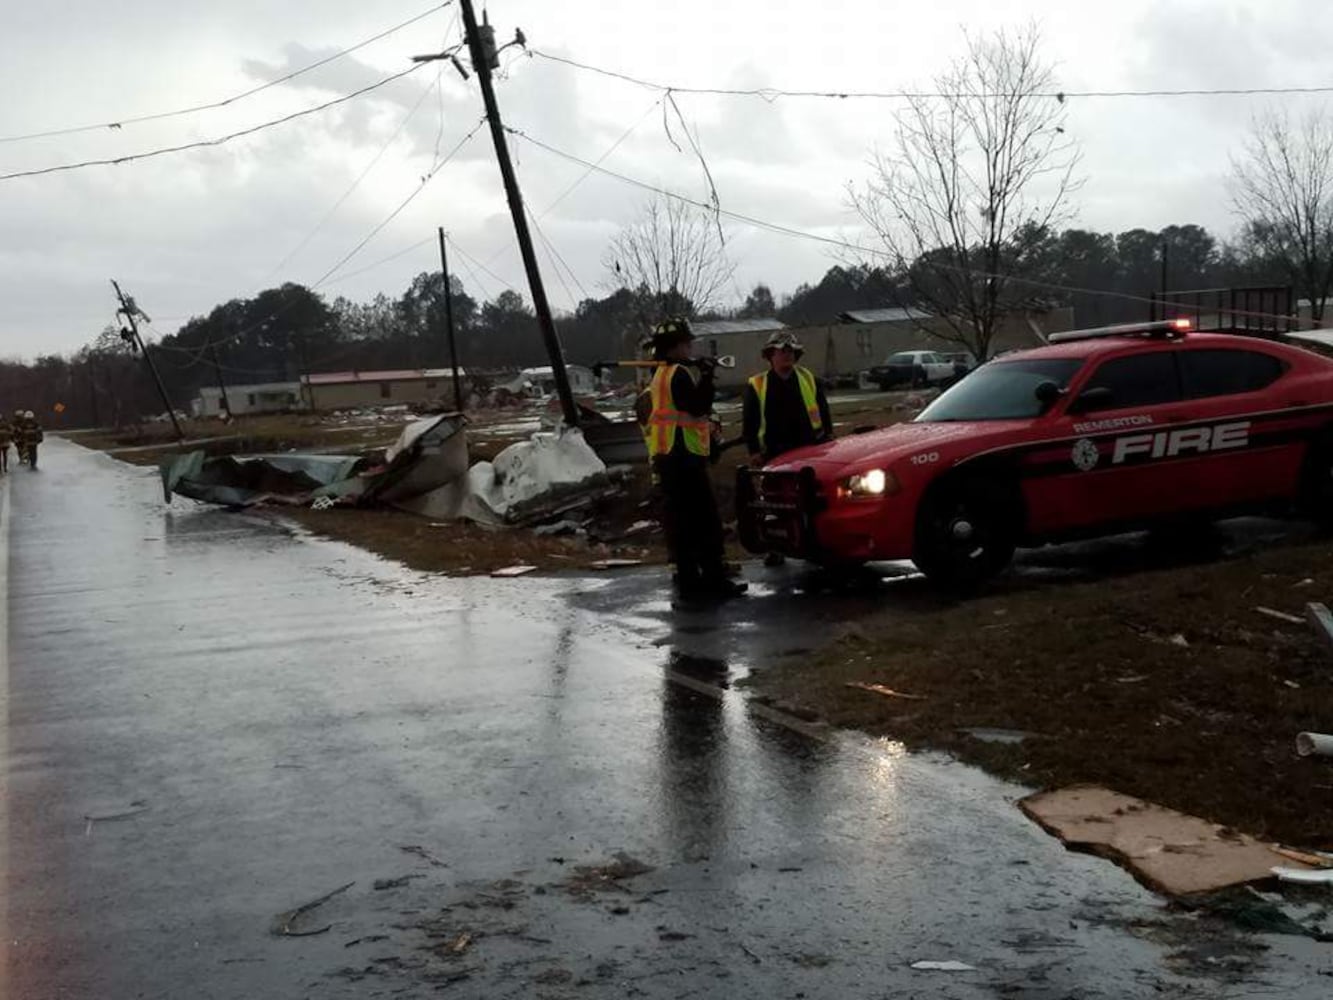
{"x": 670, "y": 332}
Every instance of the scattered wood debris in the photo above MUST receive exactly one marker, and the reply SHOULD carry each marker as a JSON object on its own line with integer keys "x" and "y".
{"x": 1281, "y": 616}
{"x": 283, "y": 922}
{"x": 886, "y": 691}
{"x": 1167, "y": 851}
{"x": 588, "y": 880}
{"x": 514, "y": 571}
{"x": 421, "y": 852}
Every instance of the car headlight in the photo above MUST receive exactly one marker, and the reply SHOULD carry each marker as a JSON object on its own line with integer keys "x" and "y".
{"x": 869, "y": 484}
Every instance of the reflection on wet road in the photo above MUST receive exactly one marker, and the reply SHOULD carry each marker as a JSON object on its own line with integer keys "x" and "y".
{"x": 212, "y": 721}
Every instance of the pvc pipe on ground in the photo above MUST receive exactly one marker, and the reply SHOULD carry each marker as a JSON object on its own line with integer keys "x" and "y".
{"x": 1309, "y": 744}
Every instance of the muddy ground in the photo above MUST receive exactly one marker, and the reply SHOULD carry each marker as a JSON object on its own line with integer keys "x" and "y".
{"x": 1165, "y": 684}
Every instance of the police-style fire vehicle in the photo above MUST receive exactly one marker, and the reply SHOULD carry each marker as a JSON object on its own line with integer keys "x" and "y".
{"x": 1098, "y": 432}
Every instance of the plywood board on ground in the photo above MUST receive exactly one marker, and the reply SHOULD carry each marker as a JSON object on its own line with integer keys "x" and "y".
{"x": 1167, "y": 851}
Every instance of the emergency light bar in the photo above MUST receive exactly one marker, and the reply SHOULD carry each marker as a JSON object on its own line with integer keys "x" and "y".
{"x": 1160, "y": 328}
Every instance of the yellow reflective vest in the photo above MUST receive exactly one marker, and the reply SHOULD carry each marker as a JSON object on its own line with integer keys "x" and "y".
{"x": 666, "y": 420}
{"x": 805, "y": 378}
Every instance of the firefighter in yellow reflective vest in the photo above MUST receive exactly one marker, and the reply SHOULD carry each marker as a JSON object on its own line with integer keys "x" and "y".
{"x": 679, "y": 443}
{"x": 784, "y": 407}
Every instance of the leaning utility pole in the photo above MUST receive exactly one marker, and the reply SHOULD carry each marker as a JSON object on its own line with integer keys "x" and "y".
{"x": 131, "y": 312}
{"x": 482, "y": 49}
{"x": 449, "y": 323}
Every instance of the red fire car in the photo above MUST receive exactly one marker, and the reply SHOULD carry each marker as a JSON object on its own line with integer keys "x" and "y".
{"x": 1097, "y": 432}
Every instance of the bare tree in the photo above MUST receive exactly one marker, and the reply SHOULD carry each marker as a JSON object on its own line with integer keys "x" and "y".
{"x": 977, "y": 175}
{"x": 1282, "y": 186}
{"x": 672, "y": 257}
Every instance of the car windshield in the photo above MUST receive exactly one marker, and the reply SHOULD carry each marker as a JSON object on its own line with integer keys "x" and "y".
{"x": 1001, "y": 390}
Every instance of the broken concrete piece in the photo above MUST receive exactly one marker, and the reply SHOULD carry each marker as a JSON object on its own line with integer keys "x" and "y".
{"x": 1167, "y": 851}
{"x": 513, "y": 571}
{"x": 943, "y": 967}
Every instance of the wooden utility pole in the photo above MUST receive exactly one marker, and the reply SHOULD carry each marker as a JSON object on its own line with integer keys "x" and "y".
{"x": 131, "y": 313}
{"x": 217, "y": 370}
{"x": 482, "y": 53}
{"x": 449, "y": 323}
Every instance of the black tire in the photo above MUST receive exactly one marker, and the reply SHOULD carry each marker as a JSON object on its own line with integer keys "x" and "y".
{"x": 966, "y": 532}
{"x": 1316, "y": 497}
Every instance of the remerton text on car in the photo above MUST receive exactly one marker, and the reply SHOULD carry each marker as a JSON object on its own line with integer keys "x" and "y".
{"x": 1097, "y": 432}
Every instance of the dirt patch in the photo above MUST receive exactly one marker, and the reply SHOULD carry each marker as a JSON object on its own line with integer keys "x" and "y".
{"x": 1165, "y": 685}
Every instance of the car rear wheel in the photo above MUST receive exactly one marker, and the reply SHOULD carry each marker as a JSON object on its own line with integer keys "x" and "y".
{"x": 966, "y": 533}
{"x": 1316, "y": 499}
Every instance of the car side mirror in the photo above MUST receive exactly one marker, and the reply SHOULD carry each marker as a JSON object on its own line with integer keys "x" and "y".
{"x": 1048, "y": 393}
{"x": 1096, "y": 398}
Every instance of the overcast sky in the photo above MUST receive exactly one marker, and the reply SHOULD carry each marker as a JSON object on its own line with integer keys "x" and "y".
{"x": 186, "y": 231}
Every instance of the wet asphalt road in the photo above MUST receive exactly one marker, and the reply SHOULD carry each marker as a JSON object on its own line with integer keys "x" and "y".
{"x": 212, "y": 721}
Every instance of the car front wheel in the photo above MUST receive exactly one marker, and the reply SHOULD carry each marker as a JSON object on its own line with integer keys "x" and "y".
{"x": 966, "y": 533}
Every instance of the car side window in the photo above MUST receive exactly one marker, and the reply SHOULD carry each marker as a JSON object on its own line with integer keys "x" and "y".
{"x": 1137, "y": 380}
{"x": 1227, "y": 372}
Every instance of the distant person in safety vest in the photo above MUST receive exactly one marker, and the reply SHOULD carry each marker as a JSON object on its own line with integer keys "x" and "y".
{"x": 679, "y": 438}
{"x": 784, "y": 407}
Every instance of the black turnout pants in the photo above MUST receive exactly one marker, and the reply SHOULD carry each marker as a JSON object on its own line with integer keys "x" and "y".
{"x": 690, "y": 517}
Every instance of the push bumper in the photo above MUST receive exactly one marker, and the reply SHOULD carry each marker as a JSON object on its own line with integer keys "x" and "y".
{"x": 775, "y": 511}
{"x": 787, "y": 512}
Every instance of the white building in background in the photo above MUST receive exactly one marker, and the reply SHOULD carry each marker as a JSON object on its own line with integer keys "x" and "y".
{"x": 581, "y": 380}
{"x": 268, "y": 397}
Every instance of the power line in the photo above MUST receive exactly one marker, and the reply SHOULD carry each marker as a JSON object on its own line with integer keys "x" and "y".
{"x": 468, "y": 257}
{"x": 406, "y": 201}
{"x": 843, "y": 244}
{"x": 115, "y": 161}
{"x": 383, "y": 260}
{"x": 557, "y": 260}
{"x": 324, "y": 279}
{"x": 585, "y": 175}
{"x": 159, "y": 116}
{"x": 773, "y": 93}
{"x": 364, "y": 173}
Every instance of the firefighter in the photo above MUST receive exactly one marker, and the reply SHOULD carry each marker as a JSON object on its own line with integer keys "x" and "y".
{"x": 679, "y": 445}
{"x": 28, "y": 435}
{"x": 6, "y": 436}
{"x": 784, "y": 407}
{"x": 19, "y": 436}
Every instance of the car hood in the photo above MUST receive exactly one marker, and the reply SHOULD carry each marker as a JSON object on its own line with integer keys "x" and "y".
{"x": 882, "y": 447}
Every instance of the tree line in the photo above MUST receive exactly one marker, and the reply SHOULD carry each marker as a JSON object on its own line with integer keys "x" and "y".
{"x": 285, "y": 331}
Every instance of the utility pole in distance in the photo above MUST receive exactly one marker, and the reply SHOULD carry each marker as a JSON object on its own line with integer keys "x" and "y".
{"x": 449, "y": 322}
{"x": 132, "y": 312}
{"x": 483, "y": 51}
{"x": 217, "y": 370}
